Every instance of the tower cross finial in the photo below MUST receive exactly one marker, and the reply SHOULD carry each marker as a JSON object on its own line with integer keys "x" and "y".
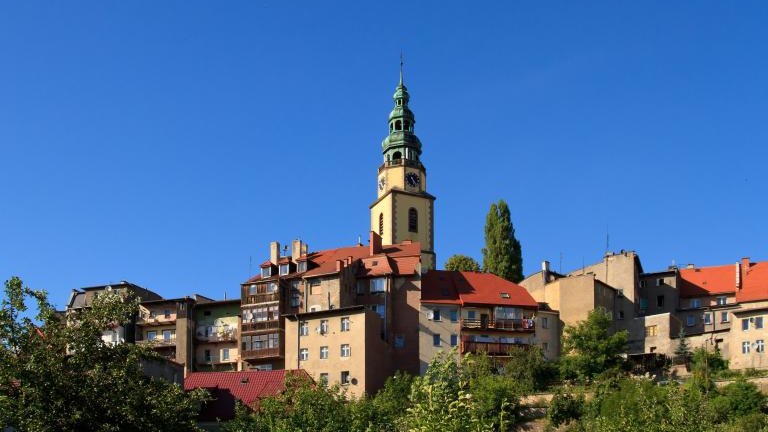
{"x": 401, "y": 67}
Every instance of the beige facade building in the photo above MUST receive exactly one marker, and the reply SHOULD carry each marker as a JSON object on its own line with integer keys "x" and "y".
{"x": 217, "y": 324}
{"x": 340, "y": 346}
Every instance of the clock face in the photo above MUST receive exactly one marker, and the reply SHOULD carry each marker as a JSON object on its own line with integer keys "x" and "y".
{"x": 412, "y": 179}
{"x": 382, "y": 183}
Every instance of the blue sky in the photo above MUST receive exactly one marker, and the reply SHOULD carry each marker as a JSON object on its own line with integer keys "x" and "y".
{"x": 167, "y": 143}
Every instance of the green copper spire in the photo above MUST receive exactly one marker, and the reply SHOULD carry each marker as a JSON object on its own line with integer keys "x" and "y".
{"x": 402, "y": 143}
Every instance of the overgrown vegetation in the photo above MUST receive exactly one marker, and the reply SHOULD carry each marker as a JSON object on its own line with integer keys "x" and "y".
{"x": 66, "y": 378}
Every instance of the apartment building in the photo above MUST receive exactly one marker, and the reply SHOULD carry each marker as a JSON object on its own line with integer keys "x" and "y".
{"x": 167, "y": 325}
{"x": 476, "y": 312}
{"x": 216, "y": 336}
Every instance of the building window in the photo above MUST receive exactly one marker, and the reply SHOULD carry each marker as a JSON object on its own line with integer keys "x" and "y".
{"x": 544, "y": 346}
{"x": 652, "y": 330}
{"x": 379, "y": 309}
{"x": 168, "y": 335}
{"x": 252, "y": 290}
{"x": 471, "y": 314}
{"x": 659, "y": 281}
{"x": 272, "y": 287}
{"x": 284, "y": 269}
{"x": 707, "y": 318}
{"x": 266, "y": 271}
{"x": 345, "y": 324}
{"x": 225, "y": 354}
{"x": 690, "y": 321}
{"x": 758, "y": 322}
{"x": 323, "y": 326}
{"x": 621, "y": 314}
{"x": 399, "y": 341}
{"x": 304, "y": 328}
{"x": 167, "y": 314}
{"x": 435, "y": 314}
{"x": 324, "y": 379}
{"x": 544, "y": 322}
{"x": 361, "y": 284}
{"x": 295, "y": 298}
{"x": 454, "y": 315}
{"x": 642, "y": 284}
{"x": 436, "y": 340}
{"x": 454, "y": 340}
{"x": 744, "y": 324}
{"x": 643, "y": 304}
{"x": 304, "y": 354}
{"x": 724, "y": 317}
{"x": 722, "y": 300}
{"x": 207, "y": 356}
{"x": 413, "y": 220}
{"x": 323, "y": 352}
{"x": 745, "y": 347}
{"x": 302, "y": 266}
{"x": 345, "y": 350}
{"x": 695, "y": 303}
{"x": 660, "y": 301}
{"x": 759, "y": 346}
{"x": 344, "y": 377}
{"x": 381, "y": 224}
{"x": 377, "y": 285}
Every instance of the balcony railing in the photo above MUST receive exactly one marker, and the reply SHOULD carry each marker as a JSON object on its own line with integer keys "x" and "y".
{"x": 515, "y": 324}
{"x": 261, "y": 353}
{"x": 158, "y": 342}
{"x": 218, "y": 336}
{"x": 261, "y": 325}
{"x": 261, "y": 298}
{"x": 215, "y": 360}
{"x": 157, "y": 320}
{"x": 491, "y": 348}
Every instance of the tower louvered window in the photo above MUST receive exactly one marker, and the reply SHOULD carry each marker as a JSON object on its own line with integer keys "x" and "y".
{"x": 413, "y": 220}
{"x": 381, "y": 224}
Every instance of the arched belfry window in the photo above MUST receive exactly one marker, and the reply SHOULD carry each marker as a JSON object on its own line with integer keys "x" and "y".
{"x": 413, "y": 220}
{"x": 398, "y": 125}
{"x": 397, "y": 156}
{"x": 381, "y": 224}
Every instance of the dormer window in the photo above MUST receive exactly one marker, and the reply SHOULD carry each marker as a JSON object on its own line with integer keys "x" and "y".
{"x": 266, "y": 272}
{"x": 302, "y": 266}
{"x": 283, "y": 269}
{"x": 505, "y": 295}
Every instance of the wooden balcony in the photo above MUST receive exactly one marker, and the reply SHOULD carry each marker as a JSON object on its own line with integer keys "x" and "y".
{"x": 218, "y": 336}
{"x": 261, "y": 298}
{"x": 215, "y": 360}
{"x": 261, "y": 325}
{"x": 156, "y": 321}
{"x": 516, "y": 325}
{"x": 491, "y": 348}
{"x": 261, "y": 353}
{"x": 157, "y": 342}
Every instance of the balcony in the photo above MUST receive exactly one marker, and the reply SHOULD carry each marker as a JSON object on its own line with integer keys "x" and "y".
{"x": 261, "y": 353}
{"x": 261, "y": 298}
{"x": 218, "y": 335}
{"x": 516, "y": 324}
{"x": 261, "y": 325}
{"x": 156, "y": 320}
{"x": 158, "y": 342}
{"x": 212, "y": 360}
{"x": 491, "y": 348}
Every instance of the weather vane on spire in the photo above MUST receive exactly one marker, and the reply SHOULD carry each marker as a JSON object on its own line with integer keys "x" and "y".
{"x": 401, "y": 66}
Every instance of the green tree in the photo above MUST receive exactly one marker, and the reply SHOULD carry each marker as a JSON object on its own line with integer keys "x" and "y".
{"x": 462, "y": 263}
{"x": 502, "y": 254}
{"x": 529, "y": 369}
{"x": 56, "y": 377}
{"x": 683, "y": 350}
{"x": 590, "y": 348}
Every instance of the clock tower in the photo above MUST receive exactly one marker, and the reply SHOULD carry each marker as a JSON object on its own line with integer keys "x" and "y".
{"x": 403, "y": 209}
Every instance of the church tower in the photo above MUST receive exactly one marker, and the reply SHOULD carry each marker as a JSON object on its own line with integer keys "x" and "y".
{"x": 404, "y": 209}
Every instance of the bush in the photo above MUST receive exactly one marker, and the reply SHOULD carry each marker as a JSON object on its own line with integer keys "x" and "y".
{"x": 565, "y": 407}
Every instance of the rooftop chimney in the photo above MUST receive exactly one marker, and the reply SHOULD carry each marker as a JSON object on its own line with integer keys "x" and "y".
{"x": 545, "y": 271}
{"x": 738, "y": 276}
{"x": 339, "y": 265}
{"x": 295, "y": 250}
{"x": 274, "y": 252}
{"x": 374, "y": 245}
{"x": 304, "y": 249}
{"x": 690, "y": 266}
{"x": 744, "y": 269}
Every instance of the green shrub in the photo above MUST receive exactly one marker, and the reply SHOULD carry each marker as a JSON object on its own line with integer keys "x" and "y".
{"x": 565, "y": 407}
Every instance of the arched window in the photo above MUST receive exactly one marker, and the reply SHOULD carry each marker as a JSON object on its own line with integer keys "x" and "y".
{"x": 391, "y": 127}
{"x": 413, "y": 220}
{"x": 398, "y": 125}
{"x": 381, "y": 224}
{"x": 397, "y": 156}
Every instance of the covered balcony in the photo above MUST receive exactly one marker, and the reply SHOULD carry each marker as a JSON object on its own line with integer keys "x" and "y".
{"x": 262, "y": 353}
{"x": 491, "y": 348}
{"x": 511, "y": 324}
{"x": 261, "y": 325}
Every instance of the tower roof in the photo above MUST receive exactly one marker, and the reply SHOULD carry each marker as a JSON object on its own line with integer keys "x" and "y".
{"x": 401, "y": 125}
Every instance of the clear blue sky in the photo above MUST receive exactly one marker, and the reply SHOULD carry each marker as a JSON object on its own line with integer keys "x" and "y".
{"x": 165, "y": 143}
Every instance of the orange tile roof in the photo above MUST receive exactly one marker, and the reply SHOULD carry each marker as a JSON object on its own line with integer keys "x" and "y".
{"x": 755, "y": 282}
{"x": 473, "y": 288}
{"x": 706, "y": 281}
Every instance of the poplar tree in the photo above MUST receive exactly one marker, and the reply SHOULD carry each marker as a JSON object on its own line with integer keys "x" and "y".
{"x": 502, "y": 254}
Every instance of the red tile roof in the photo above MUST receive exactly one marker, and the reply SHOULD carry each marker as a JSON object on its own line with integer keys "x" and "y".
{"x": 403, "y": 259}
{"x": 755, "y": 282}
{"x": 473, "y": 288}
{"x": 707, "y": 281}
{"x": 225, "y": 387}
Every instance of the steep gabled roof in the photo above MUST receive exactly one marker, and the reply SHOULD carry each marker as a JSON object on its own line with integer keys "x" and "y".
{"x": 697, "y": 282}
{"x": 755, "y": 282}
{"x": 226, "y": 387}
{"x": 473, "y": 288}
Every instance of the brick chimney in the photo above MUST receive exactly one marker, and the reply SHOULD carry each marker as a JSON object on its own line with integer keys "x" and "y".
{"x": 744, "y": 269}
{"x": 374, "y": 243}
{"x": 545, "y": 271}
{"x": 274, "y": 252}
{"x": 295, "y": 250}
